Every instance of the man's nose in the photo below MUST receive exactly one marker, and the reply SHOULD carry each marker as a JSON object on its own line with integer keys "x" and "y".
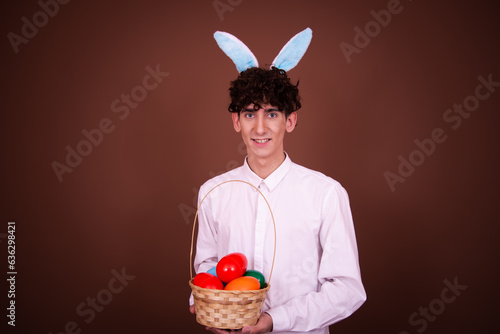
{"x": 260, "y": 126}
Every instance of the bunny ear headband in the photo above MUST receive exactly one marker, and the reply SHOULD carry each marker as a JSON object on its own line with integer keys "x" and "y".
{"x": 243, "y": 58}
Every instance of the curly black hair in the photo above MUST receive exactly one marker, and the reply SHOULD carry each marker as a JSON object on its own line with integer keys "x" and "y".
{"x": 261, "y": 86}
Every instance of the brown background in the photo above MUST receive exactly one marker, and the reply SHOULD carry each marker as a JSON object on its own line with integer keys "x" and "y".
{"x": 121, "y": 207}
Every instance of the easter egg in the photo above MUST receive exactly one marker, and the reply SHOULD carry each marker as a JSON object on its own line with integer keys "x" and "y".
{"x": 212, "y": 271}
{"x": 239, "y": 258}
{"x": 231, "y": 266}
{"x": 207, "y": 281}
{"x": 258, "y": 275}
{"x": 243, "y": 283}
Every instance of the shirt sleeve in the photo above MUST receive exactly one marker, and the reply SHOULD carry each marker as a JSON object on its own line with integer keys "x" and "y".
{"x": 341, "y": 291}
{"x": 206, "y": 242}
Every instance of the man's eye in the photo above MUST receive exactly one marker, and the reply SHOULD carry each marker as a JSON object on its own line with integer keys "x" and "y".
{"x": 248, "y": 115}
{"x": 272, "y": 115}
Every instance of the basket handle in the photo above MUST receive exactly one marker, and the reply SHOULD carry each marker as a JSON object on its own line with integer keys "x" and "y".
{"x": 196, "y": 216}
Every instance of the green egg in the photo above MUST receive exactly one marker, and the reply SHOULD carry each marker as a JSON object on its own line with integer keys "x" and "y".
{"x": 258, "y": 275}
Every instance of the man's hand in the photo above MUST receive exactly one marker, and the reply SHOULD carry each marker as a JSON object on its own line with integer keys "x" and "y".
{"x": 264, "y": 325}
{"x": 191, "y": 309}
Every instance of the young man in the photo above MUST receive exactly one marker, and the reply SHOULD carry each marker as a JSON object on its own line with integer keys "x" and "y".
{"x": 316, "y": 278}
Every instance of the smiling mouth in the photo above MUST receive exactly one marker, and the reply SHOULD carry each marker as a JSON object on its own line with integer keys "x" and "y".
{"x": 261, "y": 141}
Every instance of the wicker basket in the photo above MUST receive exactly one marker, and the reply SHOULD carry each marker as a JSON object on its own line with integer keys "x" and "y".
{"x": 228, "y": 309}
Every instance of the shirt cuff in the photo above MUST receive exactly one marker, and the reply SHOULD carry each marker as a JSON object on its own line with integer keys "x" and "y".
{"x": 191, "y": 299}
{"x": 280, "y": 318}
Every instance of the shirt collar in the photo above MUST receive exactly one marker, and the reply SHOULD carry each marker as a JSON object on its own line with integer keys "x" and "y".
{"x": 272, "y": 180}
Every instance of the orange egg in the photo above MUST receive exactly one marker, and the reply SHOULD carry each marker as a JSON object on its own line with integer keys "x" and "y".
{"x": 243, "y": 283}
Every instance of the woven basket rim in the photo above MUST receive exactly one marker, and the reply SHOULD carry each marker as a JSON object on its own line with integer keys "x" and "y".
{"x": 236, "y": 292}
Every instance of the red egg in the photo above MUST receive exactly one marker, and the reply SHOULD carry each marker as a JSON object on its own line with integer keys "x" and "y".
{"x": 243, "y": 283}
{"x": 231, "y": 266}
{"x": 207, "y": 281}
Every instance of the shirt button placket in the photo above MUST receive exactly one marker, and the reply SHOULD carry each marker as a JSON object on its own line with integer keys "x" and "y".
{"x": 260, "y": 229}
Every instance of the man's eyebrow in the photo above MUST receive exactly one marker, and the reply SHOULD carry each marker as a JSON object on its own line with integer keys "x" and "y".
{"x": 248, "y": 109}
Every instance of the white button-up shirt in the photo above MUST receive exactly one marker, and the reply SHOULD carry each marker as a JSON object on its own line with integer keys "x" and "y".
{"x": 316, "y": 278}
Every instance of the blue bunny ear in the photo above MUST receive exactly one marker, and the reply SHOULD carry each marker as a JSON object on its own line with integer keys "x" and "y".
{"x": 293, "y": 51}
{"x": 235, "y": 49}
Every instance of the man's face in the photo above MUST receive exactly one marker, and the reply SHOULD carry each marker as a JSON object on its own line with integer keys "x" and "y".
{"x": 263, "y": 130}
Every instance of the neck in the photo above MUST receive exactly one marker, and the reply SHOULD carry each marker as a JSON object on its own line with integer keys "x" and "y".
{"x": 264, "y": 167}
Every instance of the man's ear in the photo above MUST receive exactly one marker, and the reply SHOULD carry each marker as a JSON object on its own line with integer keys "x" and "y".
{"x": 291, "y": 121}
{"x": 236, "y": 121}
